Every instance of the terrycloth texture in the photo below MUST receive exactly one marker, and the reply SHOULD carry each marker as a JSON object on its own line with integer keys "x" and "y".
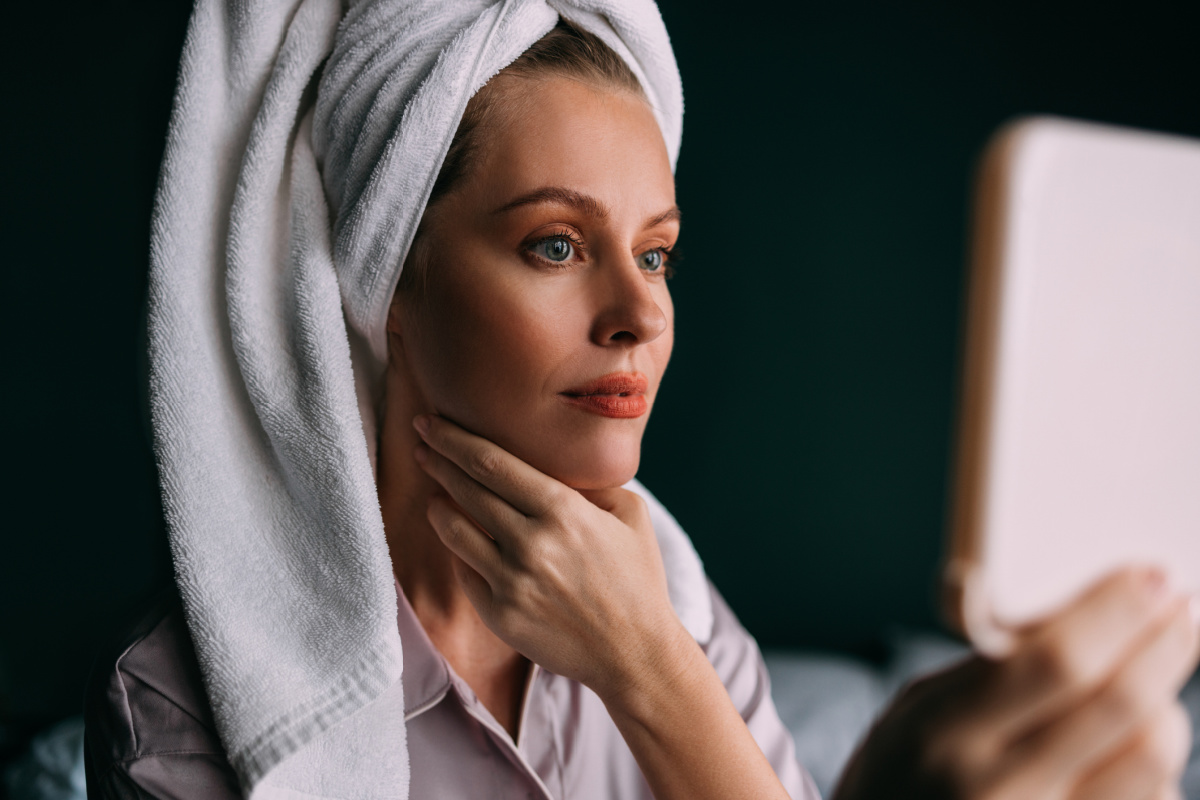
{"x": 391, "y": 97}
{"x": 289, "y": 195}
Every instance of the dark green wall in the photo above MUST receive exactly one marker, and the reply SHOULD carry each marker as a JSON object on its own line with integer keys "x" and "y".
{"x": 825, "y": 182}
{"x": 86, "y": 92}
{"x": 803, "y": 432}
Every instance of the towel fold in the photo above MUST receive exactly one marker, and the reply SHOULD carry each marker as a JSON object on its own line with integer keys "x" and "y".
{"x": 304, "y": 141}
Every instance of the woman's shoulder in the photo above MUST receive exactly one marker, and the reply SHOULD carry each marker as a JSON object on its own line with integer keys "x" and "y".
{"x": 736, "y": 658}
{"x": 730, "y": 647}
{"x": 147, "y": 720}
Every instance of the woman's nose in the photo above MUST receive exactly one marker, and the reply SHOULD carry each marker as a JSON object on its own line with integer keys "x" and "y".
{"x": 628, "y": 312}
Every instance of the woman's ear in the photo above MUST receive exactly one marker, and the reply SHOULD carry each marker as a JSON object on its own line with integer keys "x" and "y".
{"x": 393, "y": 317}
{"x": 406, "y": 289}
{"x": 395, "y": 331}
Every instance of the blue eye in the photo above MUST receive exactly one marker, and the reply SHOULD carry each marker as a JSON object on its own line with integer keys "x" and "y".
{"x": 556, "y": 248}
{"x": 651, "y": 260}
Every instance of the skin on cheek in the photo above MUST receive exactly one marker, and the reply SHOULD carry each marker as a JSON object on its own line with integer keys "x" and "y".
{"x": 496, "y": 366}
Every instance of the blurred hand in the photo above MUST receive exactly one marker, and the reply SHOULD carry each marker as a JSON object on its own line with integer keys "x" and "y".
{"x": 1084, "y": 708}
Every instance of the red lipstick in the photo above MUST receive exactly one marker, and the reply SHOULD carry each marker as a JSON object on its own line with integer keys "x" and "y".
{"x": 620, "y": 395}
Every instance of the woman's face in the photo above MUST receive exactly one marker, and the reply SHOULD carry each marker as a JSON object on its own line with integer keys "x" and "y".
{"x": 544, "y": 322}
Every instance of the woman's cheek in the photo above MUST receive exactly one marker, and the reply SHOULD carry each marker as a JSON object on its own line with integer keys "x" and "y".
{"x": 492, "y": 371}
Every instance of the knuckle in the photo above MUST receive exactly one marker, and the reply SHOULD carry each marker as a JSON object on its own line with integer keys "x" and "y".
{"x": 1121, "y": 701}
{"x": 1188, "y": 633}
{"x": 1155, "y": 756}
{"x": 457, "y": 530}
{"x": 553, "y": 496}
{"x": 1058, "y": 663}
{"x": 537, "y": 550}
{"x": 520, "y": 590}
{"x": 1171, "y": 740}
{"x": 485, "y": 463}
{"x": 1180, "y": 721}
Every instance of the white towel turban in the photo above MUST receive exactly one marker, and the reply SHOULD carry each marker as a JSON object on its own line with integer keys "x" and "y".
{"x": 304, "y": 142}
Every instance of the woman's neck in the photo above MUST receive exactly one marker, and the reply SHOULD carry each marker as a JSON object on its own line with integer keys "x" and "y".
{"x": 425, "y": 569}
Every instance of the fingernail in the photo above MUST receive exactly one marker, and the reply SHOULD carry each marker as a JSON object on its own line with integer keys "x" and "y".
{"x": 421, "y": 423}
{"x": 421, "y": 453}
{"x": 1156, "y": 584}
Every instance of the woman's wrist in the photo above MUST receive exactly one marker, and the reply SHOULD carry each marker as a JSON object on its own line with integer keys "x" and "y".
{"x": 652, "y": 674}
{"x": 683, "y": 729}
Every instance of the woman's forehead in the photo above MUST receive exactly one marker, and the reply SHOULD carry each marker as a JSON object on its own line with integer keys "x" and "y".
{"x": 599, "y": 143}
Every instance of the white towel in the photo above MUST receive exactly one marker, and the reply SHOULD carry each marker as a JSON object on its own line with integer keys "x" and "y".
{"x": 304, "y": 141}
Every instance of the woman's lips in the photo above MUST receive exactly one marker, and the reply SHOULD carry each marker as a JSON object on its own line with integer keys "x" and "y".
{"x": 620, "y": 395}
{"x": 610, "y": 405}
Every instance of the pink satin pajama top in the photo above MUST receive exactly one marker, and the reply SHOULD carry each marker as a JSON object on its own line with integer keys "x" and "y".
{"x": 150, "y": 733}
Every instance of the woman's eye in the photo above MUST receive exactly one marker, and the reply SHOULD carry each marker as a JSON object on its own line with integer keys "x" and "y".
{"x": 652, "y": 260}
{"x": 554, "y": 249}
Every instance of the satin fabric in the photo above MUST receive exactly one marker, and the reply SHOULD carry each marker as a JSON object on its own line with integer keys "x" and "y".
{"x": 150, "y": 733}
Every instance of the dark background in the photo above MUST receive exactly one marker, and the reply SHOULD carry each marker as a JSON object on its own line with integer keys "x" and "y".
{"x": 803, "y": 434}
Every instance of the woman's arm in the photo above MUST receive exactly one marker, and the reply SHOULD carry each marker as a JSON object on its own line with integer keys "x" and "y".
{"x": 148, "y": 729}
{"x": 576, "y": 584}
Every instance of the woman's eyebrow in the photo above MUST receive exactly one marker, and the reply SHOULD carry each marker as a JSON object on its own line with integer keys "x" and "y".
{"x": 672, "y": 214}
{"x": 584, "y": 203}
{"x": 559, "y": 195}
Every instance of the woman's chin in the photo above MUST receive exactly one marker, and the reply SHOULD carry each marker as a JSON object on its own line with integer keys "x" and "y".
{"x": 582, "y": 457}
{"x": 582, "y": 467}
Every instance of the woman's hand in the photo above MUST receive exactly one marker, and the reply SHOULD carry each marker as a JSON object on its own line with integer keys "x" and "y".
{"x": 575, "y": 584}
{"x": 1085, "y": 708}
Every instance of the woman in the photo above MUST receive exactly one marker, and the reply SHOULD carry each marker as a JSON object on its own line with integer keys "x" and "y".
{"x": 556, "y": 638}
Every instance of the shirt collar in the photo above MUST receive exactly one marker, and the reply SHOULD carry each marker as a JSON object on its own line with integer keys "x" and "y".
{"x": 426, "y": 673}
